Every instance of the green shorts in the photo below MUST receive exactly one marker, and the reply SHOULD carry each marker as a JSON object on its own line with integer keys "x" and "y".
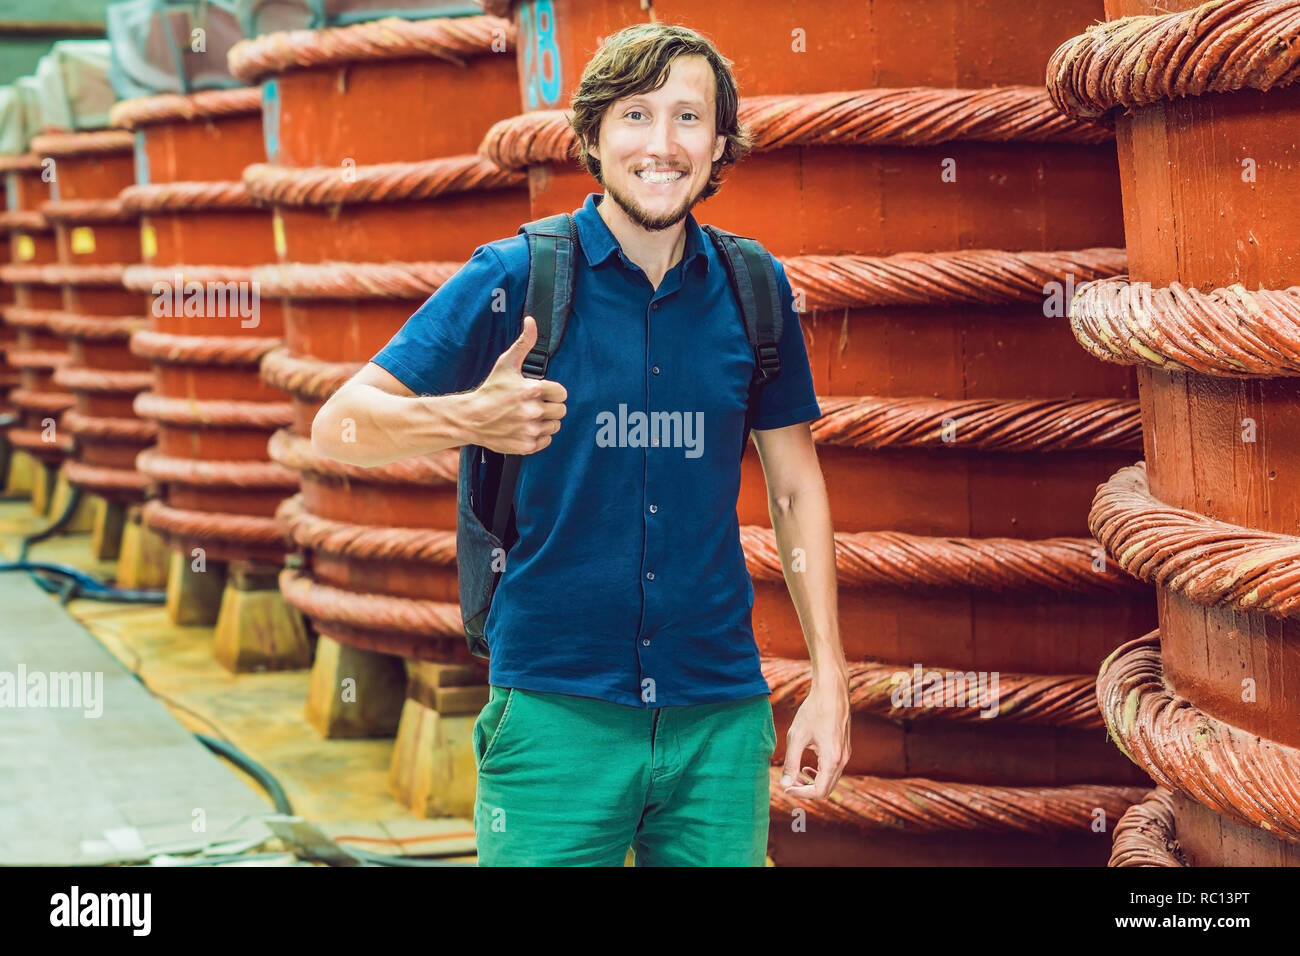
{"x": 576, "y": 781}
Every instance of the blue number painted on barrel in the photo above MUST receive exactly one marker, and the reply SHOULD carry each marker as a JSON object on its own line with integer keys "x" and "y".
{"x": 141, "y": 160}
{"x": 541, "y": 72}
{"x": 271, "y": 119}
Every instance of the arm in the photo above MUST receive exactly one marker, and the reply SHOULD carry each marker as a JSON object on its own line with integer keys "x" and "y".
{"x": 801, "y": 519}
{"x": 374, "y": 419}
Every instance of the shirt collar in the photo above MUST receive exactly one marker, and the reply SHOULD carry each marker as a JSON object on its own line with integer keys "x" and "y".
{"x": 598, "y": 243}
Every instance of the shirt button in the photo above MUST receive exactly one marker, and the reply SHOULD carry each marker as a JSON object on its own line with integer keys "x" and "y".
{"x": 645, "y": 642}
{"x": 654, "y": 508}
{"x": 655, "y": 369}
{"x": 650, "y": 575}
{"x": 654, "y": 305}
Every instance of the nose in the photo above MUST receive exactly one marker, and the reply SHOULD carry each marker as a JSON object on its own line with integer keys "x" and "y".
{"x": 662, "y": 137}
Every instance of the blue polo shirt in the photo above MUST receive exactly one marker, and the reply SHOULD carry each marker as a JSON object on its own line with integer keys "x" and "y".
{"x": 628, "y": 582}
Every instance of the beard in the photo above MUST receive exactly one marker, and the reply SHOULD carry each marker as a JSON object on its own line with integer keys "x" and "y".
{"x": 638, "y": 214}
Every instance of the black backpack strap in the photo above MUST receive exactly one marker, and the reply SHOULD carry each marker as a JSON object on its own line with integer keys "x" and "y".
{"x": 552, "y": 245}
{"x": 753, "y": 277}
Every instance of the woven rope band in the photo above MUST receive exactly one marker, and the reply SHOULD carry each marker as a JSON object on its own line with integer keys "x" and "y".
{"x": 1219, "y": 47}
{"x": 1230, "y": 332}
{"x": 455, "y": 40}
{"x": 1239, "y": 775}
{"x": 1209, "y": 562}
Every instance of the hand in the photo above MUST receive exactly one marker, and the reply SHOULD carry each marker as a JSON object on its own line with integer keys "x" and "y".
{"x": 512, "y": 414}
{"x": 822, "y": 723}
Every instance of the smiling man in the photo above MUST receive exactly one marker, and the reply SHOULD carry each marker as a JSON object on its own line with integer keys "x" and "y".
{"x": 627, "y": 705}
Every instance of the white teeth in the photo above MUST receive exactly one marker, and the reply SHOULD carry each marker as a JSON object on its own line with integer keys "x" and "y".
{"x": 653, "y": 177}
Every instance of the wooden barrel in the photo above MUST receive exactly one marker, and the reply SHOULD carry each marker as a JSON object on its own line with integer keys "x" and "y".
{"x": 379, "y": 196}
{"x": 933, "y": 212}
{"x": 208, "y": 327}
{"x": 1204, "y": 108}
{"x": 9, "y": 377}
{"x": 36, "y": 351}
{"x": 96, "y": 240}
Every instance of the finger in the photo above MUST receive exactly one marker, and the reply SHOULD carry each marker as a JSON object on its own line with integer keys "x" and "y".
{"x": 553, "y": 410}
{"x": 520, "y": 347}
{"x": 833, "y": 780}
{"x": 804, "y": 786}
{"x": 822, "y": 788}
{"x": 791, "y": 774}
{"x": 828, "y": 774}
{"x": 808, "y": 792}
{"x": 554, "y": 391}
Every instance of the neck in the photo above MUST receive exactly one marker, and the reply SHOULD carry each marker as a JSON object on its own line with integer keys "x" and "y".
{"x": 654, "y": 252}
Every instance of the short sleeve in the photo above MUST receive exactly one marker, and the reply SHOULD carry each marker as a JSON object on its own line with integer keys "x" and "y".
{"x": 790, "y": 398}
{"x": 452, "y": 341}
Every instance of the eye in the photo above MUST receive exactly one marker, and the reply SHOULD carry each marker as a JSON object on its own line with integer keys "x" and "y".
{"x": 630, "y": 114}
{"x": 692, "y": 115}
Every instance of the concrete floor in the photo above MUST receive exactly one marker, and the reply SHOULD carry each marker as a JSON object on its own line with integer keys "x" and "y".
{"x": 126, "y": 785}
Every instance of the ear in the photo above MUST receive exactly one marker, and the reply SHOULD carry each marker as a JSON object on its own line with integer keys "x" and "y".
{"x": 719, "y": 144}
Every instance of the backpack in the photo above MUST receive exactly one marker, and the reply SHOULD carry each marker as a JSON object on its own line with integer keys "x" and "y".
{"x": 485, "y": 523}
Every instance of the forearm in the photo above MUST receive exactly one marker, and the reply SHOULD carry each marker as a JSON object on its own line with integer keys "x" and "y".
{"x": 806, "y": 542}
{"x": 366, "y": 426}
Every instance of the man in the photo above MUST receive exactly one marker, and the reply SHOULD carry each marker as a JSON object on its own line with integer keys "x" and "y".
{"x": 627, "y": 704}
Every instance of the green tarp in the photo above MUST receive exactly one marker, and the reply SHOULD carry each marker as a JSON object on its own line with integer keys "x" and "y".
{"x": 72, "y": 84}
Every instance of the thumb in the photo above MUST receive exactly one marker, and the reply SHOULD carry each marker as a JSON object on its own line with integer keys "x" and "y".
{"x": 514, "y": 356}
{"x": 791, "y": 767}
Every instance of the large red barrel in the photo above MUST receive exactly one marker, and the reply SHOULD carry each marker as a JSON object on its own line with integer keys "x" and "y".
{"x": 96, "y": 240}
{"x": 1204, "y": 108}
{"x": 379, "y": 196}
{"x": 9, "y": 379}
{"x": 209, "y": 327}
{"x": 933, "y": 212}
{"x": 37, "y": 352}
{"x": 25, "y": 226}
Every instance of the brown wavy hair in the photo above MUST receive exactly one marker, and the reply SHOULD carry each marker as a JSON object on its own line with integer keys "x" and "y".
{"x": 637, "y": 59}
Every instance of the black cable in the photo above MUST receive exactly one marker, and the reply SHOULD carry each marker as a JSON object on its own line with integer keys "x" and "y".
{"x": 79, "y": 583}
{"x": 51, "y": 530}
{"x": 281, "y": 802}
{"x": 251, "y": 767}
{"x": 74, "y": 582}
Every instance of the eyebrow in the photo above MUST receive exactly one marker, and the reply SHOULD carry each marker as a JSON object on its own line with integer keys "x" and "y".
{"x": 698, "y": 104}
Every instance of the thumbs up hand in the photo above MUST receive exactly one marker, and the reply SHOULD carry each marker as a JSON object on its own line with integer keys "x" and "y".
{"x": 511, "y": 414}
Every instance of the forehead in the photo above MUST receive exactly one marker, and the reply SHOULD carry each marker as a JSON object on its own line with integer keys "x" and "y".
{"x": 689, "y": 77}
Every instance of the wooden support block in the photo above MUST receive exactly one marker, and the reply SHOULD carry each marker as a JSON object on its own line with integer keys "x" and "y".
{"x": 20, "y": 477}
{"x": 6, "y": 455}
{"x": 43, "y": 479}
{"x": 83, "y": 518}
{"x": 194, "y": 589}
{"x": 433, "y": 772}
{"x": 106, "y": 536}
{"x": 257, "y": 630}
{"x": 354, "y": 692}
{"x": 447, "y": 688}
{"x": 142, "y": 562}
{"x": 459, "y": 700}
{"x": 431, "y": 674}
